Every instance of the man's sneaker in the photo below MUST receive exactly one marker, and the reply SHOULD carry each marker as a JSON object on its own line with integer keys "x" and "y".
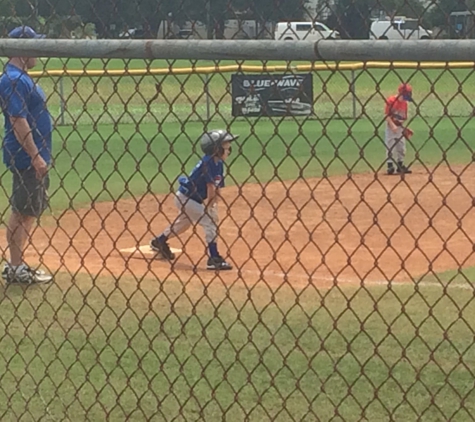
{"x": 161, "y": 246}
{"x": 217, "y": 263}
{"x": 25, "y": 275}
{"x": 402, "y": 169}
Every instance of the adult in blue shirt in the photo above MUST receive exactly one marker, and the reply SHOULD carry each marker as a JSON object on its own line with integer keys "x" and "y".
{"x": 27, "y": 154}
{"x": 197, "y": 198}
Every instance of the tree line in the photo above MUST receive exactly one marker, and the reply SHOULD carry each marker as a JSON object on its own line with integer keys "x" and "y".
{"x": 351, "y": 17}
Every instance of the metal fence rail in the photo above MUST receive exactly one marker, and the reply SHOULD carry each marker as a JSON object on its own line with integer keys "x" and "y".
{"x": 303, "y": 50}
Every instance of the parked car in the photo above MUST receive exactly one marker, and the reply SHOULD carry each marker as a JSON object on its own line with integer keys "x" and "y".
{"x": 311, "y": 31}
{"x": 133, "y": 33}
{"x": 400, "y": 28}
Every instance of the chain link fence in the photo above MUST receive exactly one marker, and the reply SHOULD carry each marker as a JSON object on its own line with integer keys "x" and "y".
{"x": 350, "y": 296}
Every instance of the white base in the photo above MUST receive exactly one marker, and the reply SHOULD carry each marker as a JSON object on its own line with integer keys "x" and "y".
{"x": 146, "y": 250}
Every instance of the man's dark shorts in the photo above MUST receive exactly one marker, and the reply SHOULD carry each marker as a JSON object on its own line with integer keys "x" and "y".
{"x": 29, "y": 194}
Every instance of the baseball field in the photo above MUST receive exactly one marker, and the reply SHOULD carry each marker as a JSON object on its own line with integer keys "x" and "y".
{"x": 351, "y": 297}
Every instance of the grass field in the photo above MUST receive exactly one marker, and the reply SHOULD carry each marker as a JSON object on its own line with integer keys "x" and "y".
{"x": 105, "y": 349}
{"x": 106, "y": 100}
{"x": 163, "y": 351}
{"x": 184, "y": 97}
{"x": 109, "y": 163}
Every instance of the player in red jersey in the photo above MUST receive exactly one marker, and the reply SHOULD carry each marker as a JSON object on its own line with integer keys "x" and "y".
{"x": 396, "y": 132}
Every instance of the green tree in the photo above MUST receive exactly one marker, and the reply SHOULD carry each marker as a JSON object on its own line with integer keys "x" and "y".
{"x": 276, "y": 10}
{"x": 353, "y": 17}
{"x": 20, "y": 12}
{"x": 215, "y": 12}
{"x": 148, "y": 14}
{"x": 7, "y": 7}
{"x": 438, "y": 15}
{"x": 264, "y": 11}
{"x": 144, "y": 14}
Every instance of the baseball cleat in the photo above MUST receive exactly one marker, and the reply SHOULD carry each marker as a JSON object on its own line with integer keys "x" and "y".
{"x": 161, "y": 246}
{"x": 217, "y": 263}
{"x": 402, "y": 169}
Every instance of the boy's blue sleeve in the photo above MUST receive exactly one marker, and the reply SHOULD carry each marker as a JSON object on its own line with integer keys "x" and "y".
{"x": 207, "y": 172}
{"x": 14, "y": 94}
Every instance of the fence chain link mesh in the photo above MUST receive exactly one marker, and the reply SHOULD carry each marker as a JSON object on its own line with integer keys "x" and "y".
{"x": 351, "y": 292}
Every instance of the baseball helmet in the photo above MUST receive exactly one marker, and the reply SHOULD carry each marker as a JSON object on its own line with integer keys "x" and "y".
{"x": 405, "y": 90}
{"x": 211, "y": 141}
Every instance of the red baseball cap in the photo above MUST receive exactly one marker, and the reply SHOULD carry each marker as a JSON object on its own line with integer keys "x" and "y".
{"x": 405, "y": 90}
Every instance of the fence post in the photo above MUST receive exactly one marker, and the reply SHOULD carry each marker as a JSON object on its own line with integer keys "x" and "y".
{"x": 208, "y": 113}
{"x": 62, "y": 102}
{"x": 353, "y": 92}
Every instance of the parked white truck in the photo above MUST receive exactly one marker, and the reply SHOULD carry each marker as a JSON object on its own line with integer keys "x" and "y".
{"x": 310, "y": 31}
{"x": 399, "y": 28}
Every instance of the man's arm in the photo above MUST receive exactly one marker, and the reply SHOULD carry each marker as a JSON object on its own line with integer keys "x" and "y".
{"x": 23, "y": 134}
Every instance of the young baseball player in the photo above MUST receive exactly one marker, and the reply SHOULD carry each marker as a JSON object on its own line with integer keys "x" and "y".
{"x": 197, "y": 196}
{"x": 396, "y": 132}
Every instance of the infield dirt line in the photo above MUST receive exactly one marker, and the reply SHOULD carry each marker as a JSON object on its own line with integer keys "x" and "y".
{"x": 348, "y": 281}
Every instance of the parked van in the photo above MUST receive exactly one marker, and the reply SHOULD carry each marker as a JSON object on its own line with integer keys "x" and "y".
{"x": 400, "y": 28}
{"x": 311, "y": 31}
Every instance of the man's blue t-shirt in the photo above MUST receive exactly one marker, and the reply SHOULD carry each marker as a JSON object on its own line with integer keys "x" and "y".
{"x": 206, "y": 171}
{"x": 21, "y": 97}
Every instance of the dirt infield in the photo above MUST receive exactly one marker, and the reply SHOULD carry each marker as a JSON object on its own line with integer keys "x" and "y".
{"x": 364, "y": 227}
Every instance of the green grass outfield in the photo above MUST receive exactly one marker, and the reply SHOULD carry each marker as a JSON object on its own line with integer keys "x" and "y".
{"x": 109, "y": 163}
{"x": 164, "y": 351}
{"x": 122, "y": 100}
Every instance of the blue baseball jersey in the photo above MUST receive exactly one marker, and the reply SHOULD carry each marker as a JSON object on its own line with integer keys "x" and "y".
{"x": 21, "y": 97}
{"x": 195, "y": 186}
